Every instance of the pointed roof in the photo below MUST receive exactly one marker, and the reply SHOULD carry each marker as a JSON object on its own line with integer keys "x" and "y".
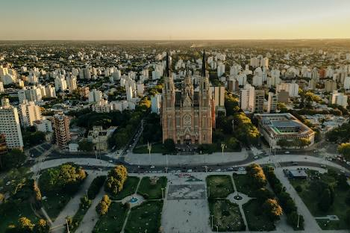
{"x": 167, "y": 67}
{"x": 203, "y": 64}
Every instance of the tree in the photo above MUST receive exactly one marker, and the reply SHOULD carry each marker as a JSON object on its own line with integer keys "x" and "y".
{"x": 272, "y": 209}
{"x": 85, "y": 145}
{"x": 25, "y": 225}
{"x": 283, "y": 143}
{"x": 326, "y": 200}
{"x": 256, "y": 175}
{"x": 37, "y": 191}
{"x": 295, "y": 220}
{"x": 169, "y": 145}
{"x": 103, "y": 205}
{"x": 348, "y": 217}
{"x": 2, "y": 198}
{"x": 116, "y": 178}
{"x": 85, "y": 202}
{"x": 344, "y": 149}
{"x": 302, "y": 142}
{"x": 347, "y": 200}
{"x": 41, "y": 226}
{"x": 12, "y": 159}
{"x": 66, "y": 177}
{"x": 342, "y": 182}
{"x": 263, "y": 194}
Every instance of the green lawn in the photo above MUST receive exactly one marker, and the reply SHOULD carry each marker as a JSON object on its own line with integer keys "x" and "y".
{"x": 243, "y": 185}
{"x": 145, "y": 218}
{"x": 255, "y": 218}
{"x": 130, "y": 186}
{"x": 227, "y": 216}
{"x": 156, "y": 148}
{"x": 55, "y": 203}
{"x": 338, "y": 208}
{"x": 219, "y": 186}
{"x": 10, "y": 212}
{"x": 113, "y": 221}
{"x": 152, "y": 191}
{"x": 78, "y": 217}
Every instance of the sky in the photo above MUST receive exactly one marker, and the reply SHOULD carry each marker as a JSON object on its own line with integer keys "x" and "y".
{"x": 173, "y": 19}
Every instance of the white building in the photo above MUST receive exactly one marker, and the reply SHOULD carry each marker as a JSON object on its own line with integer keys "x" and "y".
{"x": 339, "y": 99}
{"x": 29, "y": 112}
{"x": 221, "y": 69}
{"x": 272, "y": 102}
{"x": 43, "y": 126}
{"x": 95, "y": 96}
{"x": 60, "y": 83}
{"x": 10, "y": 125}
{"x": 247, "y": 98}
{"x": 72, "y": 83}
{"x": 156, "y": 103}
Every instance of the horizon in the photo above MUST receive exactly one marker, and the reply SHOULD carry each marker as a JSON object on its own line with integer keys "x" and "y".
{"x": 154, "y": 20}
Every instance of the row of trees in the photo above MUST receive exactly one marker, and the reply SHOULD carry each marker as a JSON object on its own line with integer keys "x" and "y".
{"x": 116, "y": 179}
{"x": 289, "y": 207}
{"x": 245, "y": 131}
{"x": 257, "y": 179}
{"x": 103, "y": 205}
{"x": 66, "y": 177}
{"x": 344, "y": 149}
{"x": 25, "y": 225}
{"x": 294, "y": 143}
{"x": 12, "y": 159}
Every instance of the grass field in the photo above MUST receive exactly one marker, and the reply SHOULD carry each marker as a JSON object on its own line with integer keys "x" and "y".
{"x": 311, "y": 198}
{"x": 10, "y": 213}
{"x": 156, "y": 148}
{"x": 54, "y": 203}
{"x": 243, "y": 185}
{"x": 256, "y": 220}
{"x": 130, "y": 186}
{"x": 227, "y": 216}
{"x": 219, "y": 186}
{"x": 145, "y": 217}
{"x": 152, "y": 191}
{"x": 113, "y": 221}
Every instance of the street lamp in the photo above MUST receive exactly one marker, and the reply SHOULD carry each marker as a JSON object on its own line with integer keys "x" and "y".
{"x": 223, "y": 146}
{"x": 212, "y": 221}
{"x": 149, "y": 148}
{"x": 162, "y": 193}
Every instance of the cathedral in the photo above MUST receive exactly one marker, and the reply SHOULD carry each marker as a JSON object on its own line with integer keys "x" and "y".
{"x": 187, "y": 112}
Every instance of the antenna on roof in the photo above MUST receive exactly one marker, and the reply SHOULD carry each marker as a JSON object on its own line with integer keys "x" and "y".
{"x": 203, "y": 64}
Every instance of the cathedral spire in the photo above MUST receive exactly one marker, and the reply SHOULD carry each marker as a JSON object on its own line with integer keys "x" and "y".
{"x": 203, "y": 64}
{"x": 167, "y": 68}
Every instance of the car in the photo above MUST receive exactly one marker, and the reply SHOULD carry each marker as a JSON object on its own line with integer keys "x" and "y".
{"x": 218, "y": 170}
{"x": 256, "y": 157}
{"x": 241, "y": 169}
{"x": 189, "y": 170}
{"x": 111, "y": 161}
{"x": 295, "y": 163}
{"x": 287, "y": 152}
{"x": 323, "y": 166}
{"x": 152, "y": 166}
{"x": 230, "y": 169}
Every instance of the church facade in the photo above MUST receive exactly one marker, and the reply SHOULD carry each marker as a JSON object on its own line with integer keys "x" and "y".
{"x": 187, "y": 112}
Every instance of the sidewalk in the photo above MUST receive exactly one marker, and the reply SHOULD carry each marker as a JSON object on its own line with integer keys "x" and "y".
{"x": 73, "y": 205}
{"x": 173, "y": 160}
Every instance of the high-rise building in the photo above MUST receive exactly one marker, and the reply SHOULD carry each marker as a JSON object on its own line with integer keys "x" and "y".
{"x": 95, "y": 96}
{"x": 187, "y": 114}
{"x": 72, "y": 83}
{"x": 29, "y": 112}
{"x": 10, "y": 125}
{"x": 61, "y": 125}
{"x": 330, "y": 85}
{"x": 247, "y": 98}
{"x": 156, "y": 103}
{"x": 272, "y": 102}
{"x": 259, "y": 101}
{"x": 339, "y": 99}
{"x": 60, "y": 83}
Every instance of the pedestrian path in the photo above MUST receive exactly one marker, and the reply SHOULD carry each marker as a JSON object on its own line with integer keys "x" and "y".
{"x": 73, "y": 205}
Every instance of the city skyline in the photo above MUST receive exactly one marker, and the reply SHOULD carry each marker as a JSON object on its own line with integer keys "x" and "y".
{"x": 169, "y": 20}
